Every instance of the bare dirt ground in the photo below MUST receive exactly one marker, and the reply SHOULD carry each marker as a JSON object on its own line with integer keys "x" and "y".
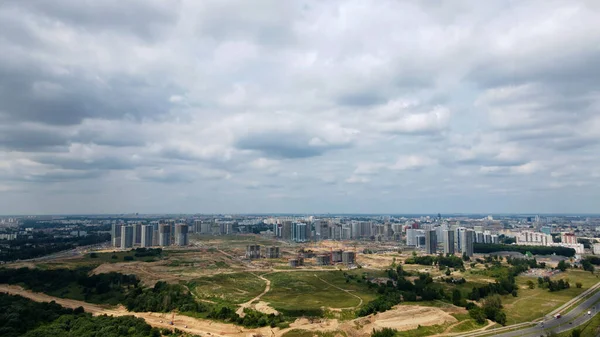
{"x": 400, "y": 317}
{"x": 405, "y": 318}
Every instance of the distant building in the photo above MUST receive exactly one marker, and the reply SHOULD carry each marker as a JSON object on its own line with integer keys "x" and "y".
{"x": 272, "y": 252}
{"x": 164, "y": 235}
{"x": 349, "y": 257}
{"x": 467, "y": 237}
{"x": 298, "y": 232}
{"x": 495, "y": 239}
{"x": 596, "y": 248}
{"x": 253, "y": 251}
{"x": 181, "y": 234}
{"x": 137, "y": 234}
{"x": 533, "y": 238}
{"x": 568, "y": 238}
{"x": 546, "y": 230}
{"x": 206, "y": 228}
{"x": 336, "y": 256}
{"x": 126, "y": 237}
{"x": 430, "y": 242}
{"x": 286, "y": 230}
{"x": 147, "y": 239}
{"x": 323, "y": 260}
{"x": 449, "y": 242}
{"x": 115, "y": 234}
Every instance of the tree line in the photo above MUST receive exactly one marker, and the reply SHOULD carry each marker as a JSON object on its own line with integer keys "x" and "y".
{"x": 20, "y": 316}
{"x": 487, "y": 248}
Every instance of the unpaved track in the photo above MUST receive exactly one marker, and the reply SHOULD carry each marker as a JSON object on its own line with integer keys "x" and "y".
{"x": 240, "y": 310}
{"x": 344, "y": 290}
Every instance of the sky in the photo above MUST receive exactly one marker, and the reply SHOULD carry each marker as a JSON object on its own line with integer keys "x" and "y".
{"x": 222, "y": 106}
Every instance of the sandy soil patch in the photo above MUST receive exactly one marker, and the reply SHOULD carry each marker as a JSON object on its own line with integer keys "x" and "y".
{"x": 405, "y": 318}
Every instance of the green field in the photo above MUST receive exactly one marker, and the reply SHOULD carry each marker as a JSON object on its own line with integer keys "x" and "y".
{"x": 118, "y": 256}
{"x": 231, "y": 288}
{"x": 535, "y": 303}
{"x": 309, "y": 291}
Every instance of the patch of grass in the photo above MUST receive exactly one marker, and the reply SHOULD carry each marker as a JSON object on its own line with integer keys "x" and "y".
{"x": 306, "y": 333}
{"x": 467, "y": 325}
{"x": 422, "y": 331}
{"x": 535, "y": 303}
{"x": 229, "y": 288}
{"x": 294, "y": 293}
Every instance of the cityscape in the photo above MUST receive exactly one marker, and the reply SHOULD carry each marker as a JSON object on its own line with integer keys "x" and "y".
{"x": 268, "y": 168}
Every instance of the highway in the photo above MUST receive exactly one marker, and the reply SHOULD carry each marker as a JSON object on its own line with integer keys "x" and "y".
{"x": 568, "y": 321}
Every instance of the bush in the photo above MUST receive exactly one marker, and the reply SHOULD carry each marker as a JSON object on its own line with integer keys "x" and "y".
{"x": 128, "y": 258}
{"x": 93, "y": 255}
{"x": 578, "y": 285}
{"x": 385, "y": 332}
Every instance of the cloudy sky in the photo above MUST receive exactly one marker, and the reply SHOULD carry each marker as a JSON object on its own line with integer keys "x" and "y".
{"x": 299, "y": 106}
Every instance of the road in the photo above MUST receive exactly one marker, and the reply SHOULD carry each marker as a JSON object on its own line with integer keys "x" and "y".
{"x": 568, "y": 321}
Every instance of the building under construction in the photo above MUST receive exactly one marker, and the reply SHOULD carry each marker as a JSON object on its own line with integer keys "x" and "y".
{"x": 253, "y": 251}
{"x": 349, "y": 257}
{"x": 336, "y": 256}
{"x": 272, "y": 252}
{"x": 323, "y": 260}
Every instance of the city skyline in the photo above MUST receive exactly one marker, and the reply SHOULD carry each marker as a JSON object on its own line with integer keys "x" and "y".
{"x": 305, "y": 107}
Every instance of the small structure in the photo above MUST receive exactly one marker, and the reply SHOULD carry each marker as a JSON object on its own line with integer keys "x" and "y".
{"x": 336, "y": 256}
{"x": 272, "y": 252}
{"x": 294, "y": 263}
{"x": 323, "y": 260}
{"x": 253, "y": 251}
{"x": 349, "y": 257}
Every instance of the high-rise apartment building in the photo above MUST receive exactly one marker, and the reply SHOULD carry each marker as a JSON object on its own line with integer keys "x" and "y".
{"x": 164, "y": 235}
{"x": 449, "y": 242}
{"x": 430, "y": 241}
{"x": 126, "y": 237}
{"x": 115, "y": 234}
{"x": 181, "y": 234}
{"x": 147, "y": 236}
{"x": 467, "y": 238}
{"x": 137, "y": 234}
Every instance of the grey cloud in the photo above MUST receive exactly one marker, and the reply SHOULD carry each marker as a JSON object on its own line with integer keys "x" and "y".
{"x": 32, "y": 140}
{"x": 280, "y": 145}
{"x": 144, "y": 18}
{"x": 361, "y": 99}
{"x": 60, "y": 176}
{"x": 83, "y": 164}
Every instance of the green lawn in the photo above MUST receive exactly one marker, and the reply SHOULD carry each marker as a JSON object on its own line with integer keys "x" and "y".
{"x": 534, "y": 303}
{"x": 231, "y": 288}
{"x": 423, "y": 331}
{"x": 303, "y": 291}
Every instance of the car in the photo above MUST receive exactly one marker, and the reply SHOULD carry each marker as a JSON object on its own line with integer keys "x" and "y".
{"x": 557, "y": 316}
{"x": 589, "y": 312}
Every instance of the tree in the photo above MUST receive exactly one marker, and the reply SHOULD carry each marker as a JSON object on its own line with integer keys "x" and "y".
{"x": 578, "y": 285}
{"x": 477, "y": 314}
{"x": 530, "y": 284}
{"x": 456, "y": 297}
{"x": 562, "y": 265}
{"x": 448, "y": 272}
{"x": 576, "y": 333}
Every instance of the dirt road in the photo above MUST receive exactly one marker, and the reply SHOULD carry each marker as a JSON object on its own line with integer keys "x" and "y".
{"x": 248, "y": 304}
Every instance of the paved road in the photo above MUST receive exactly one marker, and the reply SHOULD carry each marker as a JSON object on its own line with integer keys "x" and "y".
{"x": 566, "y": 322}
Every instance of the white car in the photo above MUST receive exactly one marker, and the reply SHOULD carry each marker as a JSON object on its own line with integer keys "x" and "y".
{"x": 589, "y": 312}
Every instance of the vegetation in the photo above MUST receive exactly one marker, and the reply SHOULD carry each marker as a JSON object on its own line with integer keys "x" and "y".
{"x": 22, "y": 317}
{"x": 449, "y": 261}
{"x": 228, "y": 288}
{"x": 76, "y": 284}
{"x": 44, "y": 244}
{"x": 547, "y": 283}
{"x": 486, "y": 248}
{"x": 385, "y": 332}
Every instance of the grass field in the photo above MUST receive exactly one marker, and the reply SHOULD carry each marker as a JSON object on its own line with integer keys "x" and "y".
{"x": 535, "y": 303}
{"x": 231, "y": 288}
{"x": 297, "y": 291}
